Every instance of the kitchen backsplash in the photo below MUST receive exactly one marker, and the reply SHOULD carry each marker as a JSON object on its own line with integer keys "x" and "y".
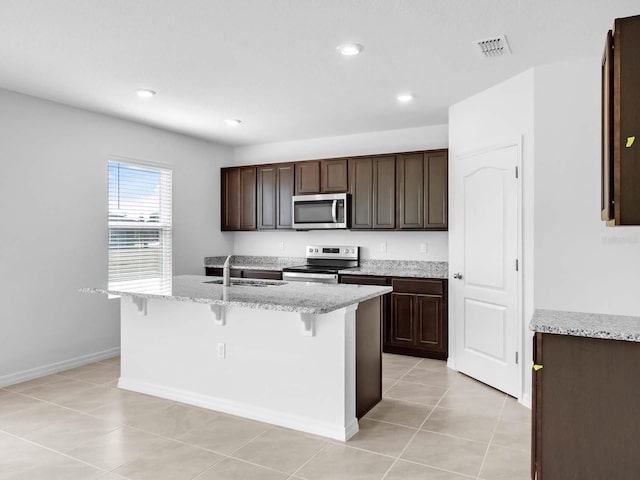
{"x": 396, "y": 245}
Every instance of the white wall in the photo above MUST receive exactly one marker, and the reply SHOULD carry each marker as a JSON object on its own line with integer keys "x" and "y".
{"x": 400, "y": 245}
{"x": 53, "y": 203}
{"x": 580, "y": 264}
{"x": 498, "y": 116}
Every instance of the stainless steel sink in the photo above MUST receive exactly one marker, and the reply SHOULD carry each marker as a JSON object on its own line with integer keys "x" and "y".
{"x": 250, "y": 283}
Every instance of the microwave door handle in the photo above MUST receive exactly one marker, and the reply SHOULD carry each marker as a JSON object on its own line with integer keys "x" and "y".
{"x": 334, "y": 211}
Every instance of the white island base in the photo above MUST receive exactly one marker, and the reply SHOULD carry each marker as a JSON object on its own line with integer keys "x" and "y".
{"x": 285, "y": 368}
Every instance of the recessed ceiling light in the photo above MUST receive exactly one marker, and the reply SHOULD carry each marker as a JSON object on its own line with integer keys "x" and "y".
{"x": 350, "y": 49}
{"x": 405, "y": 97}
{"x": 232, "y": 122}
{"x": 145, "y": 92}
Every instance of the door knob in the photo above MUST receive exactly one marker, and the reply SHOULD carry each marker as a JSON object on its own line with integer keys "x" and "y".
{"x": 457, "y": 275}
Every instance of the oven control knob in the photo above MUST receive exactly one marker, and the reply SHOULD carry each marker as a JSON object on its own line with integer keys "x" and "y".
{"x": 316, "y": 250}
{"x": 310, "y": 250}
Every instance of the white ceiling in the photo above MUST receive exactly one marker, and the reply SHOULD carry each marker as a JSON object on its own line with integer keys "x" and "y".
{"x": 273, "y": 63}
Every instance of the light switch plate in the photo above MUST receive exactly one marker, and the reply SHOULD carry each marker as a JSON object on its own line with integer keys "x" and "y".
{"x": 423, "y": 248}
{"x": 383, "y": 247}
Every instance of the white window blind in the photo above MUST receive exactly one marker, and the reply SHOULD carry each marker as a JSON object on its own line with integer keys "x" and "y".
{"x": 139, "y": 226}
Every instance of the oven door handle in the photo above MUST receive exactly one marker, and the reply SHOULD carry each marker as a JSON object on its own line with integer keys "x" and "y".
{"x": 334, "y": 211}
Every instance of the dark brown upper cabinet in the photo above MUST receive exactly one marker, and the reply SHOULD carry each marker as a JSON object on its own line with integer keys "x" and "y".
{"x": 334, "y": 176}
{"x": 620, "y": 203}
{"x": 238, "y": 198}
{"x": 422, "y": 186}
{"x": 308, "y": 177}
{"x": 373, "y": 192}
{"x": 321, "y": 176}
{"x": 275, "y": 190}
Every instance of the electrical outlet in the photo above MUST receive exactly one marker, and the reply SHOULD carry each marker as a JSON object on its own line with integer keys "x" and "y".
{"x": 281, "y": 245}
{"x": 423, "y": 248}
{"x": 383, "y": 247}
{"x": 222, "y": 350}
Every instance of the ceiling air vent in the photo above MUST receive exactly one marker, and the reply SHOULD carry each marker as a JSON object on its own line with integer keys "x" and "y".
{"x": 493, "y": 47}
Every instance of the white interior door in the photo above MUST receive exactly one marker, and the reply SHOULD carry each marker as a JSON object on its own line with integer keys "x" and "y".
{"x": 484, "y": 279}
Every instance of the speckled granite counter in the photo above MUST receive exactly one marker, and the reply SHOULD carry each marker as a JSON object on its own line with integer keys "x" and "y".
{"x": 381, "y": 268}
{"x": 251, "y": 262}
{"x": 577, "y": 324}
{"x": 400, "y": 268}
{"x": 297, "y": 297}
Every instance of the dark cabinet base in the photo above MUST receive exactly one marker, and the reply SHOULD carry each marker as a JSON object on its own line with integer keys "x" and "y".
{"x": 585, "y": 412}
{"x": 414, "y": 352}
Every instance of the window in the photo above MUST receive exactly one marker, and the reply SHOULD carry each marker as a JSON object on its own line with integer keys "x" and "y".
{"x": 139, "y": 226}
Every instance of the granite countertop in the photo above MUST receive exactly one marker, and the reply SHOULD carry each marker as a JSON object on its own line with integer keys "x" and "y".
{"x": 400, "y": 268}
{"x": 288, "y": 297}
{"x": 380, "y": 268}
{"x": 251, "y": 262}
{"x": 594, "y": 325}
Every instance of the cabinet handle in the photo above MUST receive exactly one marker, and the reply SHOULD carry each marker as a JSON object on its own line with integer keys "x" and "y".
{"x": 537, "y": 367}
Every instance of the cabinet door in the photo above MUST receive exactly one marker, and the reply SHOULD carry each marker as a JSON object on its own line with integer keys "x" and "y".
{"x": 230, "y": 214}
{"x": 334, "y": 176}
{"x": 384, "y": 193}
{"x": 430, "y": 324}
{"x": 267, "y": 192}
{"x": 308, "y": 177}
{"x": 247, "y": 198}
{"x": 436, "y": 190}
{"x": 361, "y": 182}
{"x": 402, "y": 325}
{"x": 411, "y": 191}
{"x": 284, "y": 193}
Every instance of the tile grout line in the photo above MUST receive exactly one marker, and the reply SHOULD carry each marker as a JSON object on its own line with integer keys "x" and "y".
{"x": 401, "y": 377}
{"x": 292, "y": 475}
{"x": 415, "y": 434}
{"x": 495, "y": 427}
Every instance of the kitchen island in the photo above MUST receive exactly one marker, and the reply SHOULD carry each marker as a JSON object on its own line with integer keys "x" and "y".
{"x": 300, "y": 355}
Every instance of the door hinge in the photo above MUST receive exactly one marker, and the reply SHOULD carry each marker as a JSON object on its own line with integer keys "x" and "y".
{"x": 517, "y": 265}
{"x": 516, "y": 171}
{"x": 516, "y": 358}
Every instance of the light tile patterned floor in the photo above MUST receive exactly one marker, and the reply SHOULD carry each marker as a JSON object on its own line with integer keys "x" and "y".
{"x": 432, "y": 424}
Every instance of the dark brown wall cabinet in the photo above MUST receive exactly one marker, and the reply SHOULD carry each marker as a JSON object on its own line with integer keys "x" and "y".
{"x": 275, "y": 189}
{"x": 585, "y": 408}
{"x": 321, "y": 176}
{"x": 621, "y": 124}
{"x": 422, "y": 190}
{"x": 373, "y": 192}
{"x": 238, "y": 198}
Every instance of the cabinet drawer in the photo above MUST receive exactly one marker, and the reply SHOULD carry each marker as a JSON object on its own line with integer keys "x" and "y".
{"x": 217, "y": 272}
{"x": 263, "y": 274}
{"x": 429, "y": 287}
{"x": 364, "y": 280}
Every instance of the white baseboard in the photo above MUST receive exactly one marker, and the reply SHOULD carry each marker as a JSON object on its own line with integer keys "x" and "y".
{"x": 451, "y": 363}
{"x": 526, "y": 400}
{"x": 23, "y": 376}
{"x": 253, "y": 412}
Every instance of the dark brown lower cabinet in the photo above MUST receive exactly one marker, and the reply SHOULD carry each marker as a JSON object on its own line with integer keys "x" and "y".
{"x": 415, "y": 318}
{"x": 245, "y": 273}
{"x": 586, "y": 413}
{"x": 418, "y": 324}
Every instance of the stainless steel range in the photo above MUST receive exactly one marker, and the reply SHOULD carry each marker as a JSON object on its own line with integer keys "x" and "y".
{"x": 323, "y": 264}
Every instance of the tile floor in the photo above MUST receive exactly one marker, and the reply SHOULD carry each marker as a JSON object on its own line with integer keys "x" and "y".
{"x": 432, "y": 424}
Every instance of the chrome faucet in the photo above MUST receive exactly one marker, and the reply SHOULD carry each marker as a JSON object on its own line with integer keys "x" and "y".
{"x": 226, "y": 272}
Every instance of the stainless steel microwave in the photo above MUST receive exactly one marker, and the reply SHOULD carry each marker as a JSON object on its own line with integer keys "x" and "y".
{"x": 319, "y": 212}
